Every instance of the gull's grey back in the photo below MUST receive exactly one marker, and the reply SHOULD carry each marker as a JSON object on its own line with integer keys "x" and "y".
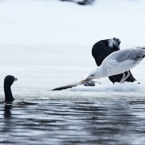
{"x": 126, "y": 54}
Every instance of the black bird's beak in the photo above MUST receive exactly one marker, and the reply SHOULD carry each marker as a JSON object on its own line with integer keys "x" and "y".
{"x": 15, "y": 79}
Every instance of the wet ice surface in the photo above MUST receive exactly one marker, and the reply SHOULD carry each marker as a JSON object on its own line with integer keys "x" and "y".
{"x": 104, "y": 114}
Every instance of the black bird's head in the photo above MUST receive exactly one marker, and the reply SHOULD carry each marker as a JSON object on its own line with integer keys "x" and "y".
{"x": 117, "y": 40}
{"x": 8, "y": 81}
{"x": 114, "y": 43}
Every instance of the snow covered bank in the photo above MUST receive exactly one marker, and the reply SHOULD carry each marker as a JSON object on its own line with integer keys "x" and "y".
{"x": 39, "y": 69}
{"x": 117, "y": 87}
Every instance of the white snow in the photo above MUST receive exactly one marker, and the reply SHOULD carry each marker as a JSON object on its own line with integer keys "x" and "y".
{"x": 47, "y": 43}
{"x": 51, "y": 22}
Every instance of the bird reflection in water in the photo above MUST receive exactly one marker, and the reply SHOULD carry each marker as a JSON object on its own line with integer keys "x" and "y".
{"x": 7, "y": 111}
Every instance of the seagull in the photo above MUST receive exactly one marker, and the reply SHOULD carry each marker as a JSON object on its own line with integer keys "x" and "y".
{"x": 118, "y": 62}
{"x": 102, "y": 49}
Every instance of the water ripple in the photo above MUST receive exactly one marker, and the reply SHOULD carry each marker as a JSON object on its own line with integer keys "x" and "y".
{"x": 68, "y": 122}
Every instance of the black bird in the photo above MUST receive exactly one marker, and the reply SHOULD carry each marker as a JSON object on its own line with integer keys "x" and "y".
{"x": 102, "y": 49}
{"x": 8, "y": 81}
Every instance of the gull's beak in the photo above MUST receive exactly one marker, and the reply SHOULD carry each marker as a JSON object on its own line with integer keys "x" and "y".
{"x": 86, "y": 80}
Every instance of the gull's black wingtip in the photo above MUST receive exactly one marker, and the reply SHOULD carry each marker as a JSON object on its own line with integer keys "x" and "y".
{"x": 66, "y": 87}
{"x": 89, "y": 83}
{"x": 63, "y": 88}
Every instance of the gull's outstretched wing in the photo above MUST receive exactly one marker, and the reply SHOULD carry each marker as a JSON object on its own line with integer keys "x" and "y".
{"x": 85, "y": 83}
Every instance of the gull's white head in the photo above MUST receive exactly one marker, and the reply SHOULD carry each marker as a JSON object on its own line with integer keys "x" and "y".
{"x": 93, "y": 75}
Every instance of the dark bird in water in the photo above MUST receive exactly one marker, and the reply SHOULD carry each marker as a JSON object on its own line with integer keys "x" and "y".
{"x": 8, "y": 81}
{"x": 102, "y": 49}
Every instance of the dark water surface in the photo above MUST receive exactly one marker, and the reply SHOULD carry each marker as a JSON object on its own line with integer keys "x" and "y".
{"x": 69, "y": 122}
